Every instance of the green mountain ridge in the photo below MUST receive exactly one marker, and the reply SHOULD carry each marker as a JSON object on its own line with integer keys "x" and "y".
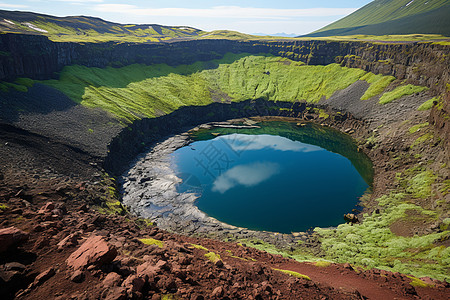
{"x": 89, "y": 28}
{"x": 385, "y": 17}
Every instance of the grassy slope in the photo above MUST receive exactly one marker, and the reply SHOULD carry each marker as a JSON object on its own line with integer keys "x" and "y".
{"x": 380, "y": 11}
{"x": 435, "y": 21}
{"x": 138, "y": 91}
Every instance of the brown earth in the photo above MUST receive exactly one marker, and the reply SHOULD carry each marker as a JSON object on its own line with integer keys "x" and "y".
{"x": 48, "y": 189}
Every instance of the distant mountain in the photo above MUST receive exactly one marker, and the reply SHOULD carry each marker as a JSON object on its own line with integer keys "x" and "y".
{"x": 386, "y": 17}
{"x": 89, "y": 29}
{"x": 282, "y": 34}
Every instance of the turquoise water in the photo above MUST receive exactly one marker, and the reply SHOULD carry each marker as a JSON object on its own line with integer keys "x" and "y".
{"x": 279, "y": 177}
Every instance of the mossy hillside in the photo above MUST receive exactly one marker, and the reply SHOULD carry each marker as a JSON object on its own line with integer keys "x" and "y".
{"x": 373, "y": 244}
{"x": 136, "y": 91}
{"x": 92, "y": 30}
{"x": 401, "y": 91}
{"x": 380, "y": 11}
{"x": 139, "y": 91}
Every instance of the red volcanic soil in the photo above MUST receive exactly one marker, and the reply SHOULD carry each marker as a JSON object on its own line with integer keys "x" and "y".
{"x": 55, "y": 245}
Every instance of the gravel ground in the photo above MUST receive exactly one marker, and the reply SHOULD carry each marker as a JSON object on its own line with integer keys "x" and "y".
{"x": 50, "y": 113}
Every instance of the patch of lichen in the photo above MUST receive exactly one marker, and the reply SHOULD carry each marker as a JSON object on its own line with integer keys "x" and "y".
{"x": 199, "y": 247}
{"x": 417, "y": 181}
{"x": 293, "y": 273}
{"x": 212, "y": 256}
{"x": 109, "y": 202}
{"x": 322, "y": 264}
{"x": 150, "y": 241}
{"x": 416, "y": 282}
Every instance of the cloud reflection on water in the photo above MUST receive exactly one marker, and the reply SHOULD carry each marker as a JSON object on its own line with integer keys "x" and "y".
{"x": 241, "y": 142}
{"x": 246, "y": 175}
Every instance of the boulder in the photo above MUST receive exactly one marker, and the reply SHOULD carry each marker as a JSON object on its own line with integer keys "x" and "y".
{"x": 148, "y": 270}
{"x": 94, "y": 251}
{"x": 133, "y": 284}
{"x": 44, "y": 276}
{"x": 77, "y": 276}
{"x": 112, "y": 279}
{"x": 351, "y": 218}
{"x": 11, "y": 236}
{"x": 116, "y": 293}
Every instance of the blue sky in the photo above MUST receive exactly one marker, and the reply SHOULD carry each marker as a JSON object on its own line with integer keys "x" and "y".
{"x": 248, "y": 16}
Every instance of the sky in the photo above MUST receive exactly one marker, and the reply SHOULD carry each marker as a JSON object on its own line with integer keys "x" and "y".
{"x": 247, "y": 16}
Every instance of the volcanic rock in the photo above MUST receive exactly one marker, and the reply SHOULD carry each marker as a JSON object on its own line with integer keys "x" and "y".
{"x": 77, "y": 276}
{"x": 133, "y": 284}
{"x": 351, "y": 218}
{"x": 94, "y": 251}
{"x": 11, "y": 236}
{"x": 44, "y": 276}
{"x": 112, "y": 279}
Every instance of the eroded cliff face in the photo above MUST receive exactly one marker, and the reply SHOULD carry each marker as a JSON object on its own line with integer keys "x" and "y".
{"x": 32, "y": 56}
{"x": 418, "y": 63}
{"x": 37, "y": 57}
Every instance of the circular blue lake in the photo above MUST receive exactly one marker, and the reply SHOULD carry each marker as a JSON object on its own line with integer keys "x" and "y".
{"x": 279, "y": 177}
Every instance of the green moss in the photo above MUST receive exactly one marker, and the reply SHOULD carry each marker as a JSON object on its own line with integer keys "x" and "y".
{"x": 416, "y": 282}
{"x": 3, "y": 207}
{"x": 151, "y": 241}
{"x": 138, "y": 91}
{"x": 372, "y": 244}
{"x": 445, "y": 189}
{"x": 287, "y": 80}
{"x": 417, "y": 181}
{"x": 401, "y": 91}
{"x": 426, "y": 137}
{"x": 428, "y": 104}
{"x": 417, "y": 127}
{"x": 322, "y": 264}
{"x": 378, "y": 83}
{"x": 18, "y": 87}
{"x": 420, "y": 185}
{"x": 323, "y": 114}
{"x": 214, "y": 257}
{"x": 199, "y": 247}
{"x": 25, "y": 82}
{"x": 145, "y": 222}
{"x": 292, "y": 273}
{"x": 112, "y": 207}
{"x": 168, "y": 297}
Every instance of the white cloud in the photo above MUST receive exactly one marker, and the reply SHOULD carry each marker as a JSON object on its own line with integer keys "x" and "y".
{"x": 246, "y": 175}
{"x": 241, "y": 142}
{"x": 224, "y": 11}
{"x": 6, "y": 5}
